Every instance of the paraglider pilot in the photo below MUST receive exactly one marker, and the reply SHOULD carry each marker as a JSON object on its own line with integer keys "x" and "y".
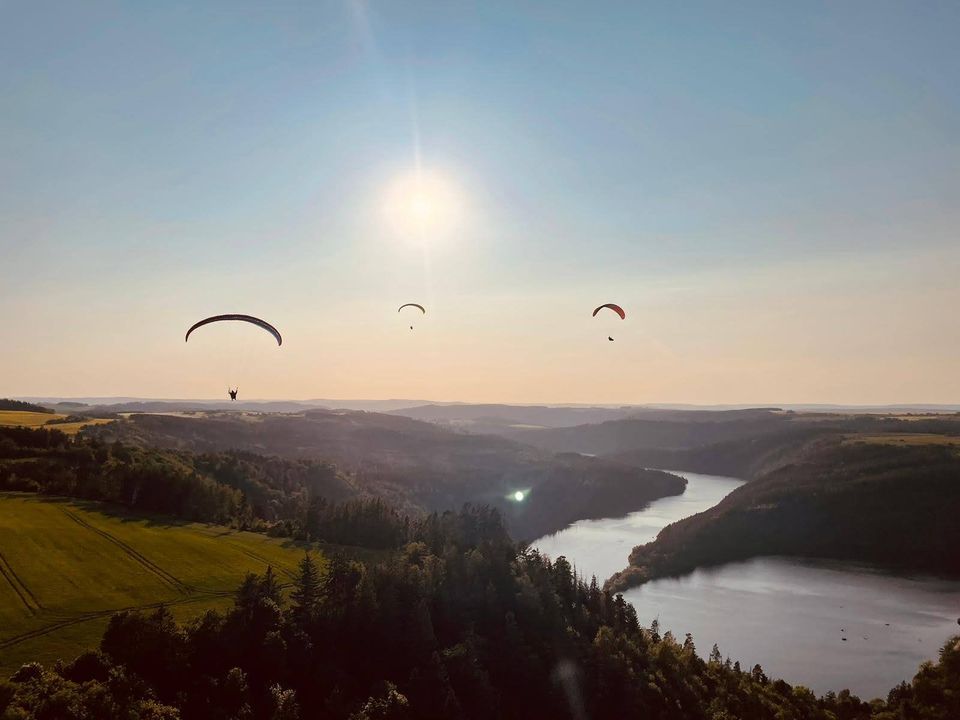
{"x": 233, "y": 393}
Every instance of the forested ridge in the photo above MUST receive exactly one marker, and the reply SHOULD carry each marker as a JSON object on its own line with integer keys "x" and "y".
{"x": 837, "y": 497}
{"x": 459, "y": 624}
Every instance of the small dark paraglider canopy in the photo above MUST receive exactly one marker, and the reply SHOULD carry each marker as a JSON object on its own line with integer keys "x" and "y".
{"x": 416, "y": 305}
{"x": 241, "y": 318}
{"x": 609, "y": 338}
{"x": 612, "y": 306}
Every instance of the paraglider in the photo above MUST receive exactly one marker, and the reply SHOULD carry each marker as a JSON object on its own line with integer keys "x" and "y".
{"x": 616, "y": 308}
{"x": 263, "y": 324}
{"x": 613, "y": 307}
{"x": 242, "y": 318}
{"x": 415, "y": 305}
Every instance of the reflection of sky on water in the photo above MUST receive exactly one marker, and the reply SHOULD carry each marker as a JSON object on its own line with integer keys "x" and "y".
{"x": 789, "y": 615}
{"x": 601, "y": 547}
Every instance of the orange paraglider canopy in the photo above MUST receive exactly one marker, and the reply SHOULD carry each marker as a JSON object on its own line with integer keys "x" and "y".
{"x": 616, "y": 308}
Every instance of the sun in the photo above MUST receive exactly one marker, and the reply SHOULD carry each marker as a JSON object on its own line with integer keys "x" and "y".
{"x": 423, "y": 206}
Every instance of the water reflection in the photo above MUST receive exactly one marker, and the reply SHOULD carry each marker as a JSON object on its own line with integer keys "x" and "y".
{"x": 601, "y": 547}
{"x": 826, "y": 625}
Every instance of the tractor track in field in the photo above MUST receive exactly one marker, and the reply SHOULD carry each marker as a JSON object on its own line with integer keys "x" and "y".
{"x": 150, "y": 566}
{"x": 192, "y": 594}
{"x": 28, "y": 599}
{"x": 95, "y": 615}
{"x": 260, "y": 558}
{"x": 9, "y": 642}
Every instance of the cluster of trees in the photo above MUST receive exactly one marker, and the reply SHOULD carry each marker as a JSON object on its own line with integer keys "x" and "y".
{"x": 20, "y": 405}
{"x": 459, "y": 624}
{"x": 366, "y": 522}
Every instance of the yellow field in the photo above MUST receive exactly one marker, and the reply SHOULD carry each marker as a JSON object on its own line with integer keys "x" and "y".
{"x": 26, "y": 419}
{"x": 67, "y": 566}
{"x": 17, "y": 418}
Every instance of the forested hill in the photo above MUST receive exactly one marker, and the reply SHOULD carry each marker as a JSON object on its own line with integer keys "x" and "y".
{"x": 744, "y": 457}
{"x": 875, "y": 499}
{"x": 418, "y": 466}
{"x": 669, "y": 434}
{"x": 666, "y": 429}
{"x": 7, "y": 404}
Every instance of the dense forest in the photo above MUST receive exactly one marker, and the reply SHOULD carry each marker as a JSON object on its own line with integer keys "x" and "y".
{"x": 460, "y": 623}
{"x": 417, "y": 466}
{"x": 837, "y": 497}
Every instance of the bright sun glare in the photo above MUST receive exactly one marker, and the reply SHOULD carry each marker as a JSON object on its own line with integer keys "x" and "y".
{"x": 423, "y": 206}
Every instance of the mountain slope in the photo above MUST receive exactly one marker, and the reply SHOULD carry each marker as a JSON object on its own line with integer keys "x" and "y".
{"x": 878, "y": 501}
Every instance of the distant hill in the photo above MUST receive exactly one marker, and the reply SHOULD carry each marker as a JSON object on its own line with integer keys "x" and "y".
{"x": 663, "y": 429}
{"x": 418, "y": 466}
{"x": 744, "y": 457}
{"x": 19, "y": 405}
{"x": 136, "y": 404}
{"x": 501, "y": 419}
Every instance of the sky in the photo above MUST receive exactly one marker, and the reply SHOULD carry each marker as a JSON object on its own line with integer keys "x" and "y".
{"x": 770, "y": 190}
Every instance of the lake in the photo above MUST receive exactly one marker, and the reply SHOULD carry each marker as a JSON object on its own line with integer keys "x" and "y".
{"x": 789, "y": 615}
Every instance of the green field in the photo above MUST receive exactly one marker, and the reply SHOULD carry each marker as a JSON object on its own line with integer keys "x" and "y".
{"x": 18, "y": 418}
{"x": 66, "y": 566}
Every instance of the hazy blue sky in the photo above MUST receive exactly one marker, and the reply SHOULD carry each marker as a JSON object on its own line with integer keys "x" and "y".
{"x": 771, "y": 190}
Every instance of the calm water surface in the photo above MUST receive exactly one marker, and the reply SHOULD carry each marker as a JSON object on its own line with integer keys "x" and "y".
{"x": 789, "y": 615}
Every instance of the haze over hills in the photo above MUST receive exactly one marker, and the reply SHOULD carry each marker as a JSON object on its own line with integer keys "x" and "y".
{"x": 490, "y": 418}
{"x": 416, "y": 465}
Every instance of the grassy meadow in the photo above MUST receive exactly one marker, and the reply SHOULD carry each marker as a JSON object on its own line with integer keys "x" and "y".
{"x": 66, "y": 566}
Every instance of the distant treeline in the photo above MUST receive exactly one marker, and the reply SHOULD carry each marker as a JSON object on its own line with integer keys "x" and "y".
{"x": 458, "y": 625}
{"x": 7, "y": 404}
